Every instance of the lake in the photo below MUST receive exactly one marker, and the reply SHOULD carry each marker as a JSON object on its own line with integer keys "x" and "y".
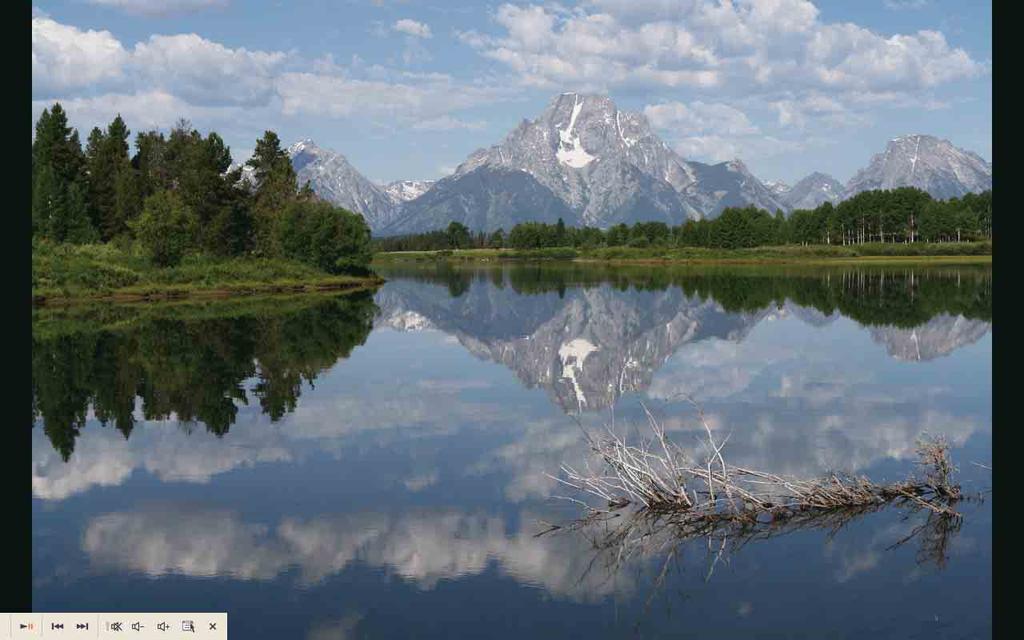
{"x": 377, "y": 465}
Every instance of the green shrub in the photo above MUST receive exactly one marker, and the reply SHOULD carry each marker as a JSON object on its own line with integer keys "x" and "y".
{"x": 166, "y": 228}
{"x": 324, "y": 236}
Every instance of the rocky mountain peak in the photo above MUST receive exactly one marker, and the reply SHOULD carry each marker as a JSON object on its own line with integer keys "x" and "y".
{"x": 813, "y": 190}
{"x": 338, "y": 182}
{"x": 585, "y": 160}
{"x": 406, "y": 190}
{"x": 926, "y": 162}
{"x": 302, "y": 145}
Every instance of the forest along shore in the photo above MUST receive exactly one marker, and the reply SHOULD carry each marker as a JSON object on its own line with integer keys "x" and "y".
{"x": 874, "y": 253}
{"x": 180, "y": 219}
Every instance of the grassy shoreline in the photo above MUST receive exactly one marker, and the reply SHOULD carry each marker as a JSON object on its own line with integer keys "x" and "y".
{"x": 69, "y": 274}
{"x": 869, "y": 253}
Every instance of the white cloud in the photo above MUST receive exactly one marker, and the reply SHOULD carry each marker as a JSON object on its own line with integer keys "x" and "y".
{"x": 715, "y": 148}
{"x": 395, "y": 101}
{"x": 595, "y": 51}
{"x": 761, "y": 46}
{"x": 165, "y": 77}
{"x": 700, "y": 117}
{"x": 412, "y": 28}
{"x": 815, "y": 106}
{"x": 160, "y": 7}
{"x": 65, "y": 57}
{"x": 713, "y": 132}
{"x": 143, "y": 110}
{"x": 206, "y": 72}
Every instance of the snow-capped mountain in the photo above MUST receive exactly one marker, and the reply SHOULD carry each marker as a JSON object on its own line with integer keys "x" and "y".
{"x": 406, "y": 190}
{"x": 337, "y": 181}
{"x": 602, "y": 164}
{"x": 926, "y": 162}
{"x": 777, "y": 187}
{"x": 587, "y": 162}
{"x": 812, "y": 191}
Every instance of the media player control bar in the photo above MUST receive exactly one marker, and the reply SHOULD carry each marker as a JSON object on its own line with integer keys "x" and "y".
{"x": 107, "y": 626}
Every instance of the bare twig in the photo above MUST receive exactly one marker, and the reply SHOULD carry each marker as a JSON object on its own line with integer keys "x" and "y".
{"x": 658, "y": 479}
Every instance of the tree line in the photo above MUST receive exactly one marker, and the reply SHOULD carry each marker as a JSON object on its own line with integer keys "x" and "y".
{"x": 903, "y": 215}
{"x": 899, "y": 297}
{"x": 180, "y": 193}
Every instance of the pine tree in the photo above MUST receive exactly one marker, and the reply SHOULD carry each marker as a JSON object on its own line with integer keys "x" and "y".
{"x": 276, "y": 187}
{"x": 149, "y": 163}
{"x": 59, "y": 203}
{"x": 113, "y": 196}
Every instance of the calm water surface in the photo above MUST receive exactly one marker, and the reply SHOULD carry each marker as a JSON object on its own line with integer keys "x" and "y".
{"x": 375, "y": 465}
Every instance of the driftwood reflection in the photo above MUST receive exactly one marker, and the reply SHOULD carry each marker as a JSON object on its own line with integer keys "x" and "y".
{"x": 659, "y": 501}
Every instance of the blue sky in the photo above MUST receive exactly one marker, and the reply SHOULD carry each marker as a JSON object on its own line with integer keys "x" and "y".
{"x": 408, "y": 89}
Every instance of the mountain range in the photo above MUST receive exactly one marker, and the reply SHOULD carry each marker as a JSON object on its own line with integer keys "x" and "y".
{"x": 587, "y": 162}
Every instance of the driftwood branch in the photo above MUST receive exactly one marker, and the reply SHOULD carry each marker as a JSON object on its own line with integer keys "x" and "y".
{"x": 654, "y": 494}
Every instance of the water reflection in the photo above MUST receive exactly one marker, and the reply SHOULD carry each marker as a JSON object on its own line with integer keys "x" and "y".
{"x": 183, "y": 363}
{"x": 391, "y": 451}
{"x": 589, "y": 335}
{"x": 420, "y": 546}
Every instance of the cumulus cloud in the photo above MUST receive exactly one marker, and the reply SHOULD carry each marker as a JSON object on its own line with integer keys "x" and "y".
{"x": 65, "y": 57}
{"x": 796, "y": 112}
{"x": 206, "y": 72}
{"x": 713, "y": 132}
{"x": 142, "y": 110}
{"x": 700, "y": 117}
{"x": 160, "y": 7}
{"x": 67, "y": 61}
{"x": 157, "y": 80}
{"x": 412, "y": 28}
{"x": 754, "y": 46}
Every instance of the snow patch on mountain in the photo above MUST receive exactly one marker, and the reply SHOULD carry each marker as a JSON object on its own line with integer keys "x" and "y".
{"x": 406, "y": 190}
{"x": 570, "y": 151}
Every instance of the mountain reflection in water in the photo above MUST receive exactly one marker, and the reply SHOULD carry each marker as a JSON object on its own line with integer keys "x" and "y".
{"x": 391, "y": 451}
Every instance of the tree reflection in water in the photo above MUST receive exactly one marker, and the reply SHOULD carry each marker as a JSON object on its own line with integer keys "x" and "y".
{"x": 189, "y": 361}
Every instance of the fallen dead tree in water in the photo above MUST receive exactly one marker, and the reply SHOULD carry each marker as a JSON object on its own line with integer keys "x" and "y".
{"x": 656, "y": 498}
{"x": 663, "y": 482}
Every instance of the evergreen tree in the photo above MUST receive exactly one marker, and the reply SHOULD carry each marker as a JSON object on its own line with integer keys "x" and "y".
{"x": 113, "y": 197}
{"x": 458, "y": 235}
{"x": 150, "y": 164}
{"x": 560, "y": 238}
{"x": 59, "y": 203}
{"x": 276, "y": 187}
